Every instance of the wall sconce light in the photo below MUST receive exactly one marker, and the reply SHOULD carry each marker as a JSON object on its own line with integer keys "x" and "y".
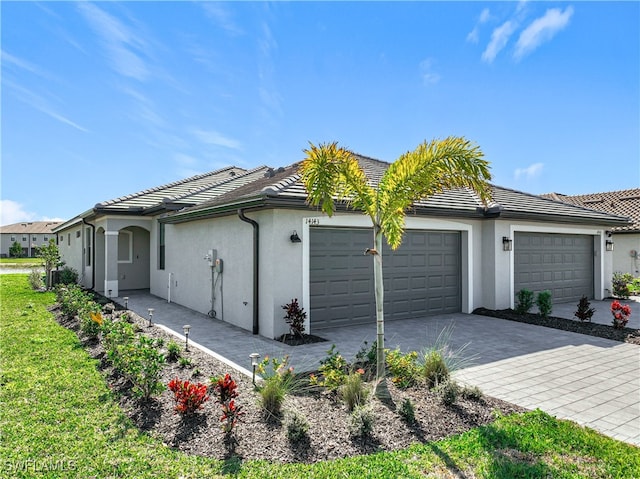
{"x": 608, "y": 245}
{"x": 507, "y": 243}
{"x": 126, "y": 302}
{"x": 185, "y": 330}
{"x": 295, "y": 238}
{"x": 254, "y": 364}
{"x": 151, "y": 310}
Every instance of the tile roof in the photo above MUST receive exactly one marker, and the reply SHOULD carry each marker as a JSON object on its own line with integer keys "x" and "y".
{"x": 284, "y": 185}
{"x": 30, "y": 227}
{"x": 621, "y": 203}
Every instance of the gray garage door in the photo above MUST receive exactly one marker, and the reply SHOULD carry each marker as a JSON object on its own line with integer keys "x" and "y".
{"x": 560, "y": 263}
{"x": 421, "y": 278}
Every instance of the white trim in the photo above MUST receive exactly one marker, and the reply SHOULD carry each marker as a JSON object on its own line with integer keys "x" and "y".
{"x": 516, "y": 228}
{"x": 411, "y": 223}
{"x": 111, "y": 233}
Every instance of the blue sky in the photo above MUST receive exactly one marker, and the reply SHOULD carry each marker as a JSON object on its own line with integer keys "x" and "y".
{"x": 100, "y": 100}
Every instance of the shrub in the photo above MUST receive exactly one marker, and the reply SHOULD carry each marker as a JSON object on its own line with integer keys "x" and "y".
{"x": 620, "y": 314}
{"x": 366, "y": 358}
{"x": 68, "y": 275}
{"x": 634, "y": 287}
{"x": 226, "y": 393}
{"x": 407, "y": 411}
{"x": 620, "y": 284}
{"x": 189, "y": 397}
{"x": 173, "y": 351}
{"x": 584, "y": 311}
{"x": 143, "y": 366}
{"x": 184, "y": 362}
{"x": 403, "y": 368}
{"x": 91, "y": 323}
{"x": 295, "y": 317}
{"x": 448, "y": 392}
{"x": 297, "y": 427}
{"x": 279, "y": 380}
{"x": 543, "y": 301}
{"x": 353, "y": 391}
{"x": 434, "y": 369}
{"x": 471, "y": 392}
{"x": 333, "y": 371}
{"x": 524, "y": 301}
{"x": 35, "y": 279}
{"x": 362, "y": 421}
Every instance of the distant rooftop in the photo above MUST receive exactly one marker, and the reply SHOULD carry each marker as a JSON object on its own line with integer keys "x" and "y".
{"x": 621, "y": 203}
{"x": 30, "y": 227}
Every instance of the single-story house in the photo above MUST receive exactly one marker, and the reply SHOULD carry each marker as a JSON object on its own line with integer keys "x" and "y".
{"x": 626, "y": 238}
{"x": 30, "y": 234}
{"x": 240, "y": 244}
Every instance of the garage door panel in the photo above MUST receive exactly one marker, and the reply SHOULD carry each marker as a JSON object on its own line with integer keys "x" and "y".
{"x": 561, "y": 263}
{"x": 422, "y": 253}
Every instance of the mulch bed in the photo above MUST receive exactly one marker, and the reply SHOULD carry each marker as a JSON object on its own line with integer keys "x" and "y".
{"x": 624, "y": 335}
{"x": 293, "y": 340}
{"x": 260, "y": 437}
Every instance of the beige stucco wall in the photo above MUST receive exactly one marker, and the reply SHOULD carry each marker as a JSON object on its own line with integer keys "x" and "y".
{"x": 623, "y": 261}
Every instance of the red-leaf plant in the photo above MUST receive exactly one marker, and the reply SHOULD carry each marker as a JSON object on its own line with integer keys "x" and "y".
{"x": 225, "y": 389}
{"x": 621, "y": 313}
{"x": 189, "y": 397}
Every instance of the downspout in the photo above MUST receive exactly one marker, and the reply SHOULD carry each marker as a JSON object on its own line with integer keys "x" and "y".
{"x": 256, "y": 268}
{"x": 93, "y": 253}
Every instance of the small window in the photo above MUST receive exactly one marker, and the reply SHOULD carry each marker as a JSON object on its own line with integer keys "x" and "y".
{"x": 78, "y": 234}
{"x": 34, "y": 238}
{"x": 13, "y": 238}
{"x": 24, "y": 238}
{"x": 88, "y": 249}
{"x": 68, "y": 239}
{"x": 161, "y": 246}
{"x": 46, "y": 239}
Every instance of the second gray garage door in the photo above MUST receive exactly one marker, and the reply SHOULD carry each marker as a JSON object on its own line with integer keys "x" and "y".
{"x": 560, "y": 263}
{"x": 422, "y": 277}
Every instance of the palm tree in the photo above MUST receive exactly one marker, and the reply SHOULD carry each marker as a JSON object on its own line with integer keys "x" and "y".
{"x": 331, "y": 173}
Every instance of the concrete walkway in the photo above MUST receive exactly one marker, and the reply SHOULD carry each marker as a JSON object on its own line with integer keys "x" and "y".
{"x": 592, "y": 381}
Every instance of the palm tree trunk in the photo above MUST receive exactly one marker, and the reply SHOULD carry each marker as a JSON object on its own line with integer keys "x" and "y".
{"x": 379, "y": 289}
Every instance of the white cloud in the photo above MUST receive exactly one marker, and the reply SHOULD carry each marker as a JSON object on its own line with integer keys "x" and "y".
{"x": 221, "y": 17}
{"x": 485, "y": 15}
{"x": 13, "y": 212}
{"x": 119, "y": 40}
{"x": 213, "y": 137}
{"x": 530, "y": 172}
{"x": 542, "y": 30}
{"x": 499, "y": 39}
{"x": 426, "y": 72}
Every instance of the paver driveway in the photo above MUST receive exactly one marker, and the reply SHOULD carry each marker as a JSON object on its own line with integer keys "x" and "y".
{"x": 593, "y": 381}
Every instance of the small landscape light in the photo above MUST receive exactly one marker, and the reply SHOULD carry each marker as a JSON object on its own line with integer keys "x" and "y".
{"x": 151, "y": 310}
{"x": 185, "y": 330}
{"x": 126, "y": 302}
{"x": 254, "y": 364}
{"x": 110, "y": 293}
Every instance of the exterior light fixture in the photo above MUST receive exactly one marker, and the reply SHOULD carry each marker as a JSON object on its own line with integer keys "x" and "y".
{"x": 186, "y": 329}
{"x": 110, "y": 294}
{"x": 507, "y": 243}
{"x": 254, "y": 364}
{"x": 151, "y": 310}
{"x": 126, "y": 302}
{"x": 295, "y": 238}
{"x": 608, "y": 245}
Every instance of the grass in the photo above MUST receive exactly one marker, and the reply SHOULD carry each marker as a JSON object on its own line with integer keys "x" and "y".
{"x": 21, "y": 261}
{"x": 59, "y": 419}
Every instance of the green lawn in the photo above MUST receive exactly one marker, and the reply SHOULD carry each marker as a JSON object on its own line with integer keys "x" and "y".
{"x": 59, "y": 419}
{"x": 22, "y": 262}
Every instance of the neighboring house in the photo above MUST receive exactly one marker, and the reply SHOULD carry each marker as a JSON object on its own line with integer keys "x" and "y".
{"x": 239, "y": 250}
{"x": 31, "y": 235}
{"x": 626, "y": 238}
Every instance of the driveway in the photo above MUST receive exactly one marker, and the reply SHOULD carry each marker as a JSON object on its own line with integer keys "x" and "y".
{"x": 592, "y": 381}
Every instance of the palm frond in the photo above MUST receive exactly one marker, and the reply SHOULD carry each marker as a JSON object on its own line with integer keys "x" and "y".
{"x": 331, "y": 173}
{"x": 430, "y": 169}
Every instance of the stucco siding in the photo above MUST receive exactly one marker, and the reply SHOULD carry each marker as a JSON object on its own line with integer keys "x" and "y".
{"x": 623, "y": 261}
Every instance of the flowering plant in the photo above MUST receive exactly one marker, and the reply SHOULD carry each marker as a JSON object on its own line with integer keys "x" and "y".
{"x": 621, "y": 313}
{"x": 189, "y": 397}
